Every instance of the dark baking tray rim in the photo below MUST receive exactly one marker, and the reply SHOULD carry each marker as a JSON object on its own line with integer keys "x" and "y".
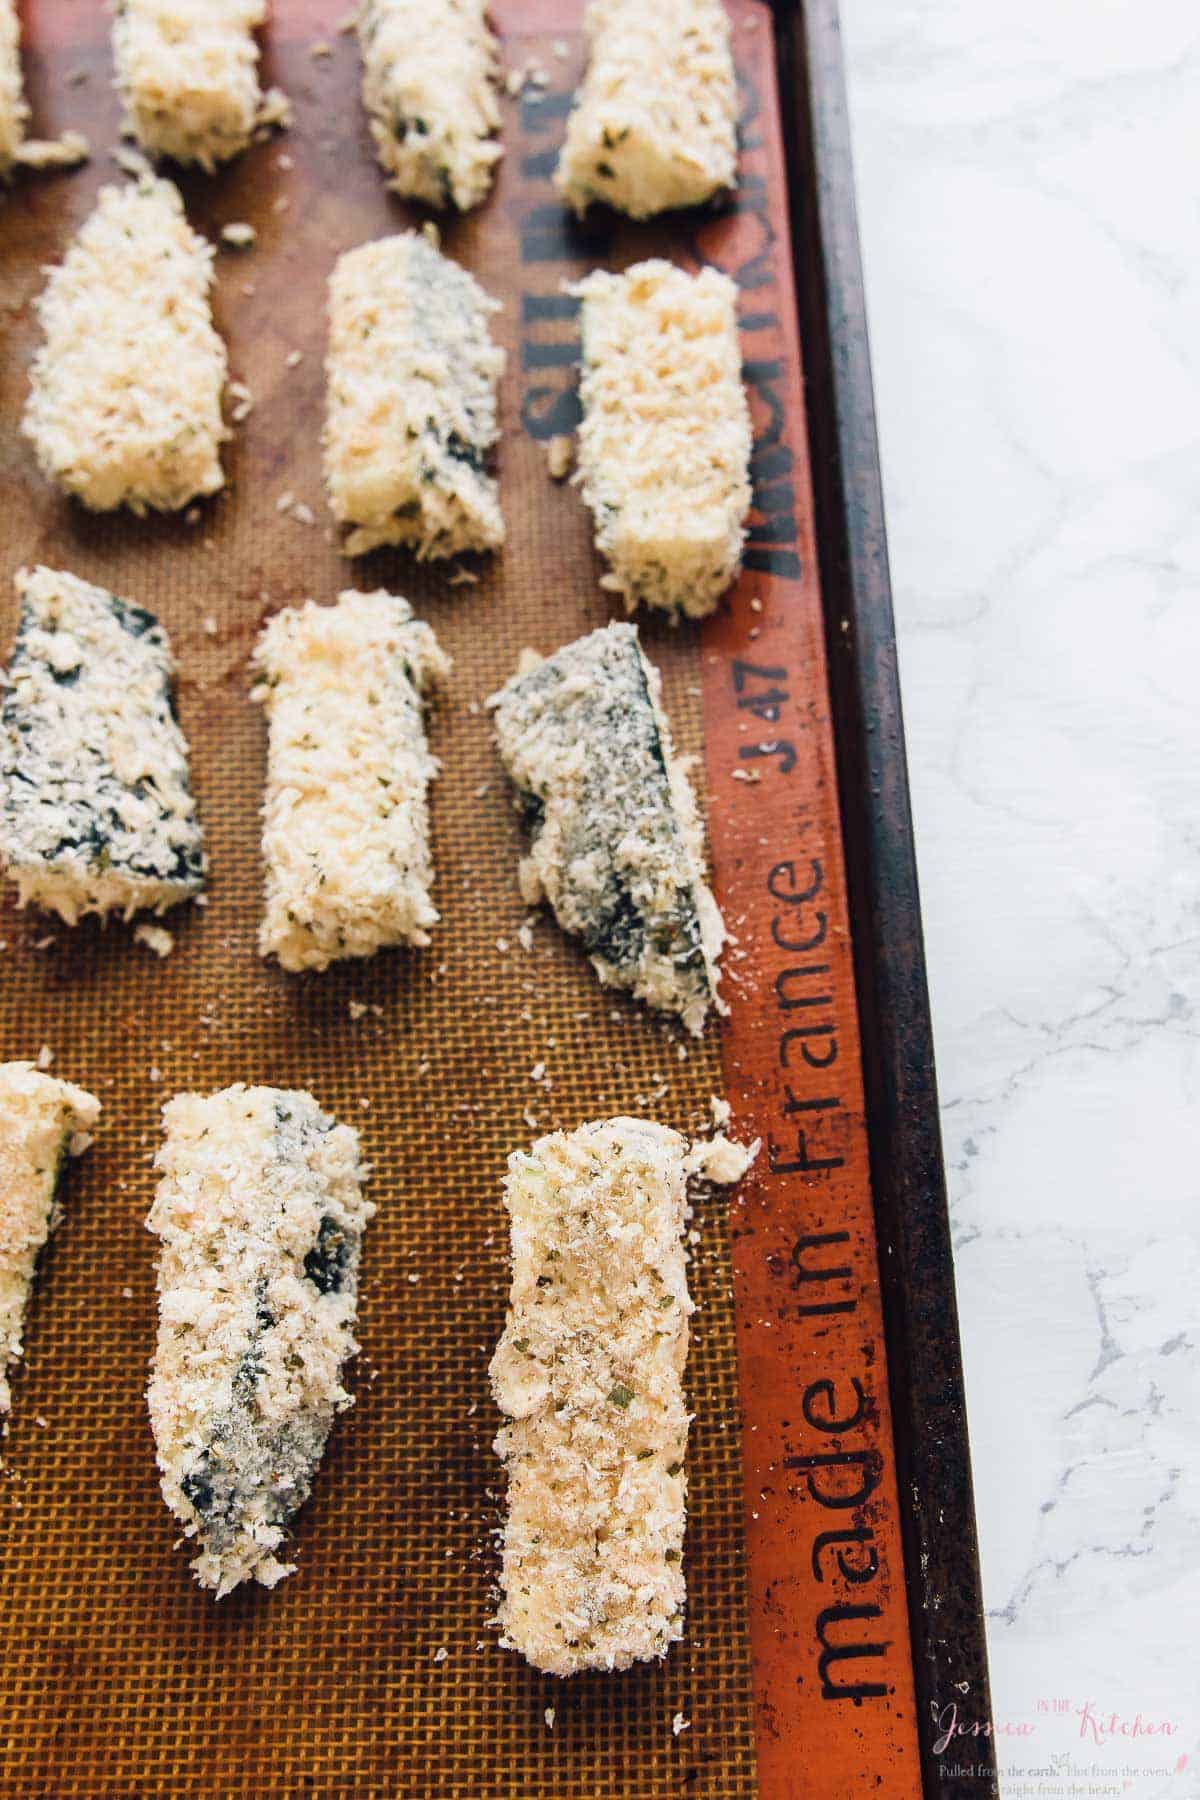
{"x": 908, "y": 1178}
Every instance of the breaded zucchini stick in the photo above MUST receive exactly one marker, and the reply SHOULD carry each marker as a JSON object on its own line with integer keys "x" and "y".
{"x": 125, "y": 394}
{"x": 15, "y": 147}
{"x": 589, "y": 1371}
{"x": 346, "y": 815}
{"x": 187, "y": 72}
{"x": 655, "y": 121}
{"x": 261, "y": 1216}
{"x": 96, "y": 809}
{"x": 617, "y": 844}
{"x": 14, "y": 112}
{"x": 411, "y": 404}
{"x": 664, "y": 446}
{"x": 42, "y": 1122}
{"x": 429, "y": 87}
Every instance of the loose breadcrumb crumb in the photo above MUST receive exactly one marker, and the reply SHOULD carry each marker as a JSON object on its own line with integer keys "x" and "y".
{"x": 275, "y": 113}
{"x": 560, "y": 454}
{"x": 156, "y": 938}
{"x": 238, "y": 235}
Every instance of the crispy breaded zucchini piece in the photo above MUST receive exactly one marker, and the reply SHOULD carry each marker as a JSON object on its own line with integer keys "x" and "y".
{"x": 429, "y": 87}
{"x": 655, "y": 121}
{"x": 15, "y": 147}
{"x": 187, "y": 72}
{"x": 665, "y": 441}
{"x": 42, "y": 1122}
{"x": 261, "y": 1216}
{"x": 14, "y": 111}
{"x": 411, "y": 404}
{"x": 589, "y": 1372}
{"x": 124, "y": 405}
{"x": 96, "y": 809}
{"x": 346, "y": 815}
{"x": 617, "y": 844}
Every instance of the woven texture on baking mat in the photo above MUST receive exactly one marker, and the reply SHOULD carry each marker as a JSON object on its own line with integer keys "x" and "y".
{"x": 373, "y": 1670}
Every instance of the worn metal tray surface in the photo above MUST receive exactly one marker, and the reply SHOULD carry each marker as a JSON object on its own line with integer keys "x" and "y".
{"x": 832, "y": 1596}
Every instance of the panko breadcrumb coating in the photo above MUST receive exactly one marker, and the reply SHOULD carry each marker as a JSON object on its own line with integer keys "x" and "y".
{"x": 96, "y": 807}
{"x": 187, "y": 71}
{"x": 346, "y": 815}
{"x": 589, "y": 1373}
{"x": 654, "y": 123}
{"x": 411, "y": 415}
{"x": 43, "y": 1121}
{"x": 665, "y": 440}
{"x": 124, "y": 405}
{"x": 15, "y": 148}
{"x": 617, "y": 844}
{"x": 429, "y": 87}
{"x": 260, "y": 1211}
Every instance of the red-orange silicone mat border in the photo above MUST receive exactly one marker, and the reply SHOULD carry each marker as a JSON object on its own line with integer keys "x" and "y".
{"x": 930, "y": 1439}
{"x": 797, "y": 1677}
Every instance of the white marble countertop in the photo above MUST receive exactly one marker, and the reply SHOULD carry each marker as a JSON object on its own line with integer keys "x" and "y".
{"x": 1028, "y": 190}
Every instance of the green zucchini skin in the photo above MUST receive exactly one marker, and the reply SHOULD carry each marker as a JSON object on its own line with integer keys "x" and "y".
{"x": 616, "y": 844}
{"x": 95, "y": 795}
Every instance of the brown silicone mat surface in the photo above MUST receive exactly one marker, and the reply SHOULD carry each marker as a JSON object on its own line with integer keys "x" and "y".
{"x": 118, "y": 1676}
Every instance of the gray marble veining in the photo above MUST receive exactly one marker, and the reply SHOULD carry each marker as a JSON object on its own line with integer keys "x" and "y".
{"x": 1028, "y": 190}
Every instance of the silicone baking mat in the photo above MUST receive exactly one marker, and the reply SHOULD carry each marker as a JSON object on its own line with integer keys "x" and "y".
{"x": 373, "y": 1670}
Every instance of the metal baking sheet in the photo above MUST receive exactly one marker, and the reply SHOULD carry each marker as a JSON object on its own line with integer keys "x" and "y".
{"x": 815, "y": 1645}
